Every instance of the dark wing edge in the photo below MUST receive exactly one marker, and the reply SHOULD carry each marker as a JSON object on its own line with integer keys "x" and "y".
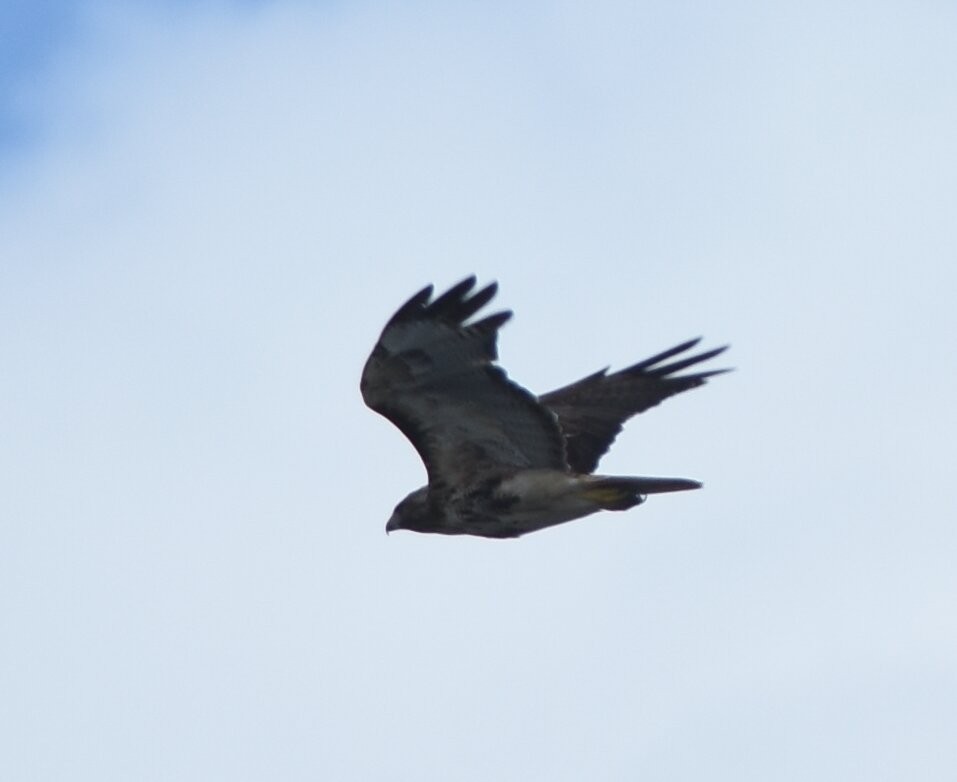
{"x": 591, "y": 411}
{"x": 432, "y": 375}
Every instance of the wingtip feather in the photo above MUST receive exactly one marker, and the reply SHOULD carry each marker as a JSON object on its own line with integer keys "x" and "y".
{"x": 677, "y": 366}
{"x": 414, "y": 304}
{"x": 666, "y": 354}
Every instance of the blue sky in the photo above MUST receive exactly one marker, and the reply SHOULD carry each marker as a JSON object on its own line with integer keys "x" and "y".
{"x": 42, "y": 39}
{"x": 207, "y": 213}
{"x": 32, "y": 34}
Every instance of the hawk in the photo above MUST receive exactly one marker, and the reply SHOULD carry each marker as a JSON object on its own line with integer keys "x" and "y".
{"x": 502, "y": 462}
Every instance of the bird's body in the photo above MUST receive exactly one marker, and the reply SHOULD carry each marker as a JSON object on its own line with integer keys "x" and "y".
{"x": 511, "y": 504}
{"x": 502, "y": 462}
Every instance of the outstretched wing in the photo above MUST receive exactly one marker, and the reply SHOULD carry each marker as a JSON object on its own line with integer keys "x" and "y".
{"x": 432, "y": 374}
{"x": 591, "y": 412}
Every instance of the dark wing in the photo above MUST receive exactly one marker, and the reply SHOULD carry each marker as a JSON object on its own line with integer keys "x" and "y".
{"x": 591, "y": 412}
{"x": 432, "y": 375}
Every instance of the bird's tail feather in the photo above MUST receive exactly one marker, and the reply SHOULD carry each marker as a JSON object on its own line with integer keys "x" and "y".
{"x": 621, "y": 493}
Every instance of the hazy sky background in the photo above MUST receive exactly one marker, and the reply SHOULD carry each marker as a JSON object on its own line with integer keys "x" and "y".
{"x": 209, "y": 210}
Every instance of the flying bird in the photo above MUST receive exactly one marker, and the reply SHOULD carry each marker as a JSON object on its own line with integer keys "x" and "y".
{"x": 502, "y": 462}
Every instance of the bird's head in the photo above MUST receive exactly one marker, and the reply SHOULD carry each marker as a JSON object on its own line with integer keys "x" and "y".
{"x": 413, "y": 513}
